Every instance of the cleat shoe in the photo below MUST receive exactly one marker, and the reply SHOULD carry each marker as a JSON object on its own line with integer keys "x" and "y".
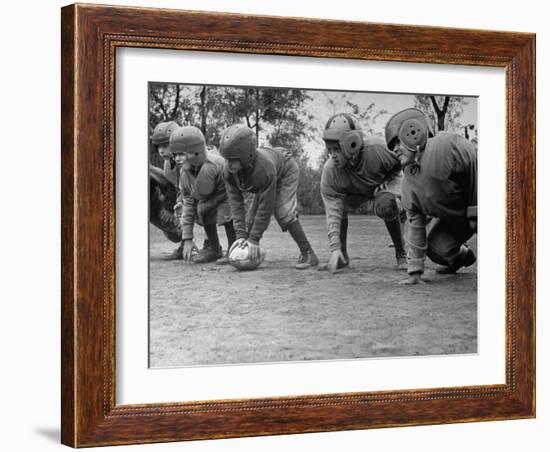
{"x": 224, "y": 260}
{"x": 307, "y": 260}
{"x": 207, "y": 254}
{"x": 464, "y": 260}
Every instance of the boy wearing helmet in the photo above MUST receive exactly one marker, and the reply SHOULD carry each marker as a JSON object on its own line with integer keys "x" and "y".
{"x": 165, "y": 200}
{"x": 440, "y": 182}
{"x": 203, "y": 195}
{"x": 358, "y": 170}
{"x": 271, "y": 176}
{"x": 161, "y": 140}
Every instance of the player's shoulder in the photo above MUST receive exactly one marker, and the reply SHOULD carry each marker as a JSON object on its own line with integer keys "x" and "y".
{"x": 374, "y": 140}
{"x": 375, "y": 145}
{"x": 270, "y": 153}
{"x": 214, "y": 158}
{"x": 268, "y": 159}
{"x": 213, "y": 166}
{"x": 447, "y": 138}
{"x": 449, "y": 142}
{"x": 376, "y": 152}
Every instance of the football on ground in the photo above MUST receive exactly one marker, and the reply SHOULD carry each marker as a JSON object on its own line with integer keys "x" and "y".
{"x": 241, "y": 260}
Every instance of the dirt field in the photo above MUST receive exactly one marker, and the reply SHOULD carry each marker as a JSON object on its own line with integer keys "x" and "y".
{"x": 207, "y": 314}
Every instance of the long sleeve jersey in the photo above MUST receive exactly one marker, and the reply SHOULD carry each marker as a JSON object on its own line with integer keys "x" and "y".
{"x": 442, "y": 184}
{"x": 376, "y": 165}
{"x": 206, "y": 185}
{"x": 260, "y": 179}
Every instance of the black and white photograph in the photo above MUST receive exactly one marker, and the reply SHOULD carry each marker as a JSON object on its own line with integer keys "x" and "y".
{"x": 221, "y": 233}
{"x": 291, "y": 224}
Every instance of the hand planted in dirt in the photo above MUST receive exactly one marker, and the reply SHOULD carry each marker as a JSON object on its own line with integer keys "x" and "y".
{"x": 188, "y": 248}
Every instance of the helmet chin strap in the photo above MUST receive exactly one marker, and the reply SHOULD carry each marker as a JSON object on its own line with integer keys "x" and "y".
{"x": 415, "y": 164}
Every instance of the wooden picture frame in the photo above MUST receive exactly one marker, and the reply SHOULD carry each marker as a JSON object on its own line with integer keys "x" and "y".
{"x": 90, "y": 36}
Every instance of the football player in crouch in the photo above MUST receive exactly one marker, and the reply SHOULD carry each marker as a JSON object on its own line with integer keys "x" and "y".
{"x": 203, "y": 195}
{"x": 165, "y": 199}
{"x": 357, "y": 170}
{"x": 272, "y": 176}
{"x": 440, "y": 181}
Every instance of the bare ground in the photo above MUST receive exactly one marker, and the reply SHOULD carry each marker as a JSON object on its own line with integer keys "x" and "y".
{"x": 209, "y": 314}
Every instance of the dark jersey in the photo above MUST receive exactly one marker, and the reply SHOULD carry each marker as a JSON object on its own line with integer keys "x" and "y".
{"x": 261, "y": 179}
{"x": 442, "y": 185}
{"x": 206, "y": 185}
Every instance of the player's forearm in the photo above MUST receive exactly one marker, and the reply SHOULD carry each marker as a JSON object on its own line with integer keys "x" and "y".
{"x": 416, "y": 239}
{"x": 236, "y": 201}
{"x": 188, "y": 217}
{"x": 266, "y": 205}
{"x": 334, "y": 235}
{"x": 334, "y": 209}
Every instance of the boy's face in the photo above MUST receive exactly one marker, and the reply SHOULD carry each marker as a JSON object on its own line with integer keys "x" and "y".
{"x": 181, "y": 161}
{"x": 164, "y": 151}
{"x": 234, "y": 165}
{"x": 405, "y": 156}
{"x": 335, "y": 152}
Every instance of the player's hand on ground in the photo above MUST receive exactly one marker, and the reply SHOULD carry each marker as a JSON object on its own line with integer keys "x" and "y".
{"x": 415, "y": 278}
{"x": 188, "y": 248}
{"x": 237, "y": 244}
{"x": 254, "y": 250}
{"x": 336, "y": 260}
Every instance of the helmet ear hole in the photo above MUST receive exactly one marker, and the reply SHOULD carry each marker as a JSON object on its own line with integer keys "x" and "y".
{"x": 351, "y": 143}
{"x": 413, "y": 134}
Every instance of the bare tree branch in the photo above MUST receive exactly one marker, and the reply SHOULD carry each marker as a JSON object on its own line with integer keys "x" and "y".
{"x": 160, "y": 104}
{"x": 446, "y": 104}
{"x": 175, "y": 110}
{"x": 436, "y": 107}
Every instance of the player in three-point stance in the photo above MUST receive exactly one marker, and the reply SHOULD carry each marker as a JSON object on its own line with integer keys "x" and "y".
{"x": 203, "y": 195}
{"x": 358, "y": 170}
{"x": 165, "y": 199}
{"x": 272, "y": 176}
{"x": 440, "y": 181}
